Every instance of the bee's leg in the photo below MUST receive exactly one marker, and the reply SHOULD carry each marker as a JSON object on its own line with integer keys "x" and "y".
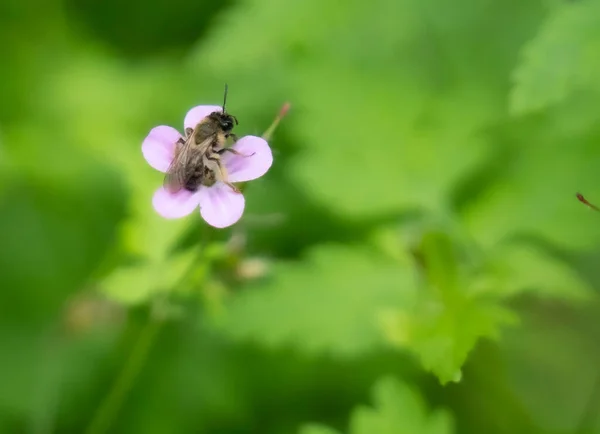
{"x": 233, "y": 151}
{"x": 188, "y": 132}
{"x": 220, "y": 172}
{"x": 233, "y": 187}
{"x": 223, "y": 177}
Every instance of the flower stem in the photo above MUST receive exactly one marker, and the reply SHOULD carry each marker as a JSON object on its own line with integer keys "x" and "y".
{"x": 284, "y": 109}
{"x": 109, "y": 408}
{"x": 269, "y": 132}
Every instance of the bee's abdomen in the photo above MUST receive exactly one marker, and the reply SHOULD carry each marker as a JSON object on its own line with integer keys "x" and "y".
{"x": 192, "y": 183}
{"x": 202, "y": 175}
{"x": 193, "y": 178}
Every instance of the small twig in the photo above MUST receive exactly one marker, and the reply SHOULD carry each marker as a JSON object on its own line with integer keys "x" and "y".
{"x": 585, "y": 202}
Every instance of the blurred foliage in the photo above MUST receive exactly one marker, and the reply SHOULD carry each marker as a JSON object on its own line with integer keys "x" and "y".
{"x": 560, "y": 59}
{"x": 417, "y": 235}
{"x": 398, "y": 409}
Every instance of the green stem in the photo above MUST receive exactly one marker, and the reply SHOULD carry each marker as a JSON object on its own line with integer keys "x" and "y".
{"x": 284, "y": 109}
{"x": 109, "y": 408}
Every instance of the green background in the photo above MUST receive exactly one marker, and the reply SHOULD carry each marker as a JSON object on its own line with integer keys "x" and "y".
{"x": 415, "y": 261}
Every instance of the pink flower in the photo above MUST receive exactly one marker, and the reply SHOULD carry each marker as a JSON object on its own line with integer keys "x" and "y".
{"x": 219, "y": 205}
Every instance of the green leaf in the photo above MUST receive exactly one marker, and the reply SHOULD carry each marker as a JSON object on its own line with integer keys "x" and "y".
{"x": 544, "y": 166}
{"x": 363, "y": 172}
{"x": 330, "y": 302}
{"x": 517, "y": 268}
{"x": 283, "y": 37}
{"x": 443, "y": 335}
{"x": 561, "y": 59}
{"x": 347, "y": 301}
{"x": 394, "y": 401}
{"x": 450, "y": 316}
{"x": 397, "y": 409}
{"x": 381, "y": 125}
{"x": 135, "y": 284}
{"x": 463, "y": 296}
{"x": 281, "y": 26}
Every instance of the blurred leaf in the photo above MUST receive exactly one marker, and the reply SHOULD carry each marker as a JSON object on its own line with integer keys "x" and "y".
{"x": 137, "y": 283}
{"x": 449, "y": 317}
{"x": 317, "y": 307}
{"x": 55, "y": 230}
{"x": 535, "y": 195}
{"x": 395, "y": 124}
{"x": 397, "y": 409}
{"x": 443, "y": 335}
{"x": 561, "y": 59}
{"x": 518, "y": 268}
{"x": 441, "y": 262}
{"x": 384, "y": 33}
{"x": 551, "y": 363}
{"x": 32, "y": 392}
{"x": 363, "y": 172}
{"x": 281, "y": 26}
{"x": 327, "y": 303}
{"x": 463, "y": 298}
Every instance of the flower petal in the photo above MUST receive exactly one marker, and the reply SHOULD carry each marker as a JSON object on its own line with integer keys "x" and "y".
{"x": 257, "y": 160}
{"x": 220, "y": 206}
{"x": 174, "y": 205}
{"x": 195, "y": 115}
{"x": 159, "y": 147}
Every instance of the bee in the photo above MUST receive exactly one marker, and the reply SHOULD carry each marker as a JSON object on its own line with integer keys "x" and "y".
{"x": 197, "y": 159}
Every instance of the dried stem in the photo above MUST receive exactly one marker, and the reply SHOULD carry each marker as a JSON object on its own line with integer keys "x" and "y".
{"x": 585, "y": 202}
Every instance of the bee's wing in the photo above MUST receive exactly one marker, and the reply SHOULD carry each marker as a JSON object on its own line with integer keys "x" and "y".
{"x": 175, "y": 174}
{"x": 185, "y": 154}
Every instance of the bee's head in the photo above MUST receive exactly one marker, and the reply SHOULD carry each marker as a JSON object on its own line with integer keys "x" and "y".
{"x": 227, "y": 121}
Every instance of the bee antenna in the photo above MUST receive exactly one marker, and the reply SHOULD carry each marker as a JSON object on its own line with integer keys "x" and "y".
{"x": 225, "y": 98}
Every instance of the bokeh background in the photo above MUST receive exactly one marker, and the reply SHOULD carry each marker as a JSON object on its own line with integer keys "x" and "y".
{"x": 415, "y": 262}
